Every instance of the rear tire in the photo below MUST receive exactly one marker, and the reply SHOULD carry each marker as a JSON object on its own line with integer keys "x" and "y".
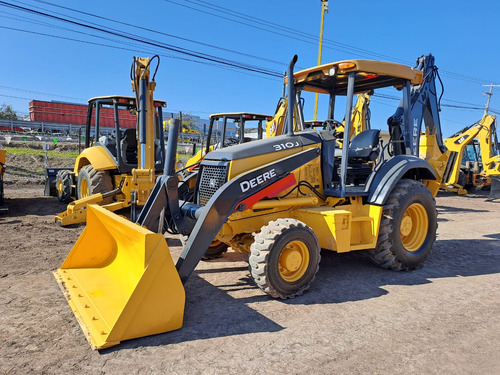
{"x": 407, "y": 229}
{"x": 284, "y": 258}
{"x": 216, "y": 250}
{"x": 461, "y": 179}
{"x": 63, "y": 186}
{"x": 91, "y": 182}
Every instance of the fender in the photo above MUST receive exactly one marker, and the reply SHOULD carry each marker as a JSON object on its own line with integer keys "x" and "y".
{"x": 381, "y": 183}
{"x": 98, "y": 156}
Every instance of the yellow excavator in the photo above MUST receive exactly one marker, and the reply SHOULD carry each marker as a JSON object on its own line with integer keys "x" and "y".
{"x": 116, "y": 170}
{"x": 280, "y": 200}
{"x": 3, "y": 207}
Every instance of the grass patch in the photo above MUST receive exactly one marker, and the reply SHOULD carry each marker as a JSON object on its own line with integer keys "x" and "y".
{"x": 52, "y": 154}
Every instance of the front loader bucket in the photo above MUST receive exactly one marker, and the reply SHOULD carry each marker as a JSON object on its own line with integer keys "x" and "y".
{"x": 120, "y": 281}
{"x": 494, "y": 188}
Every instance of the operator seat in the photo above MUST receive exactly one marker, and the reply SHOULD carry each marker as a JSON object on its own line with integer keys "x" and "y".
{"x": 364, "y": 147}
{"x": 129, "y": 146}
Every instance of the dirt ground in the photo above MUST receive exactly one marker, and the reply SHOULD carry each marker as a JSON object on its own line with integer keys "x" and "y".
{"x": 356, "y": 318}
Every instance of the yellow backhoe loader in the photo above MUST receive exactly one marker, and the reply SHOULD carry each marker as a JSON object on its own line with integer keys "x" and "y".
{"x": 455, "y": 175}
{"x": 280, "y": 199}
{"x": 472, "y": 167}
{"x": 483, "y": 136}
{"x": 116, "y": 170}
{"x": 3, "y": 207}
{"x": 249, "y": 127}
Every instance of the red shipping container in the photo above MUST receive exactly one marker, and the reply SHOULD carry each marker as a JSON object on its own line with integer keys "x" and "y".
{"x": 76, "y": 114}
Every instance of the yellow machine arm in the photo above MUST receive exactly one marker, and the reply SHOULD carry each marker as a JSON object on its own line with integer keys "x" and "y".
{"x": 484, "y": 131}
{"x": 360, "y": 118}
{"x": 488, "y": 142}
{"x": 142, "y": 85}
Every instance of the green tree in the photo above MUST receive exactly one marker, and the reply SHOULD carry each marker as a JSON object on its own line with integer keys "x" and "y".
{"x": 6, "y": 112}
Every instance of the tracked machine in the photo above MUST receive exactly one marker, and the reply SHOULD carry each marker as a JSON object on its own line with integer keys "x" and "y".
{"x": 279, "y": 199}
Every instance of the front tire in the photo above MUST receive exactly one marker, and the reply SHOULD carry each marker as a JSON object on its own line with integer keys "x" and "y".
{"x": 92, "y": 182}
{"x": 284, "y": 258}
{"x": 63, "y": 186}
{"x": 407, "y": 229}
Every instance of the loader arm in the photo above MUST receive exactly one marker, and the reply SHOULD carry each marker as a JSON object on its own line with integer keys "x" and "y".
{"x": 211, "y": 217}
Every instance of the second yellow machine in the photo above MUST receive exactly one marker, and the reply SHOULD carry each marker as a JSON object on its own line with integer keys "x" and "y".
{"x": 116, "y": 170}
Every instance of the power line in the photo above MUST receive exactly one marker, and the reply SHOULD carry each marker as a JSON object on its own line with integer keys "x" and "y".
{"x": 311, "y": 38}
{"x": 260, "y": 58}
{"x": 39, "y": 93}
{"x": 169, "y": 47}
{"x": 139, "y": 50}
{"x": 255, "y": 20}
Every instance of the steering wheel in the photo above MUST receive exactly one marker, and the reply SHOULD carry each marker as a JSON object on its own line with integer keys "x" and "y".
{"x": 331, "y": 125}
{"x": 230, "y": 141}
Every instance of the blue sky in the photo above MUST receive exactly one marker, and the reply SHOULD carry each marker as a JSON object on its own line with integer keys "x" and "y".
{"x": 263, "y": 34}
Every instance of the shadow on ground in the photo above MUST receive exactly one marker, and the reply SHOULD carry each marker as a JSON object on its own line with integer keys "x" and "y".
{"x": 211, "y": 312}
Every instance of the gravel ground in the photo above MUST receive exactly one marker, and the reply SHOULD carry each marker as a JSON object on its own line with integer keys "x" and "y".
{"x": 356, "y": 318}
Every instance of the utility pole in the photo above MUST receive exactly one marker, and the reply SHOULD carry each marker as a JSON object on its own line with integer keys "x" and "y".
{"x": 489, "y": 94}
{"x": 324, "y": 9}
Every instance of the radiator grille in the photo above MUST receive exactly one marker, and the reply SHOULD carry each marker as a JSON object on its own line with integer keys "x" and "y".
{"x": 212, "y": 178}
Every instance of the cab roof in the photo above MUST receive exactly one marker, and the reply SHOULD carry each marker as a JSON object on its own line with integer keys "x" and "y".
{"x": 125, "y": 100}
{"x": 235, "y": 116}
{"x": 370, "y": 75}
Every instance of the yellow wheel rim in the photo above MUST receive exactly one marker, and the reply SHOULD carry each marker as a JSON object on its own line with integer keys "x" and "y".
{"x": 84, "y": 188}
{"x": 293, "y": 261}
{"x": 414, "y": 227}
{"x": 59, "y": 187}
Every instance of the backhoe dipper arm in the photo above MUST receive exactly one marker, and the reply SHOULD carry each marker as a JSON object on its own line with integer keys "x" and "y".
{"x": 224, "y": 202}
{"x": 488, "y": 144}
{"x": 424, "y": 105}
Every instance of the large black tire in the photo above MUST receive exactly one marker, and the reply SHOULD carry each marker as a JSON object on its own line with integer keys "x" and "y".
{"x": 91, "y": 182}
{"x": 408, "y": 228}
{"x": 284, "y": 258}
{"x": 216, "y": 250}
{"x": 461, "y": 179}
{"x": 64, "y": 181}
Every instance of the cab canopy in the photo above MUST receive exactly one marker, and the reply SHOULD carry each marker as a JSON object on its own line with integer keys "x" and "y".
{"x": 238, "y": 116}
{"x": 370, "y": 75}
